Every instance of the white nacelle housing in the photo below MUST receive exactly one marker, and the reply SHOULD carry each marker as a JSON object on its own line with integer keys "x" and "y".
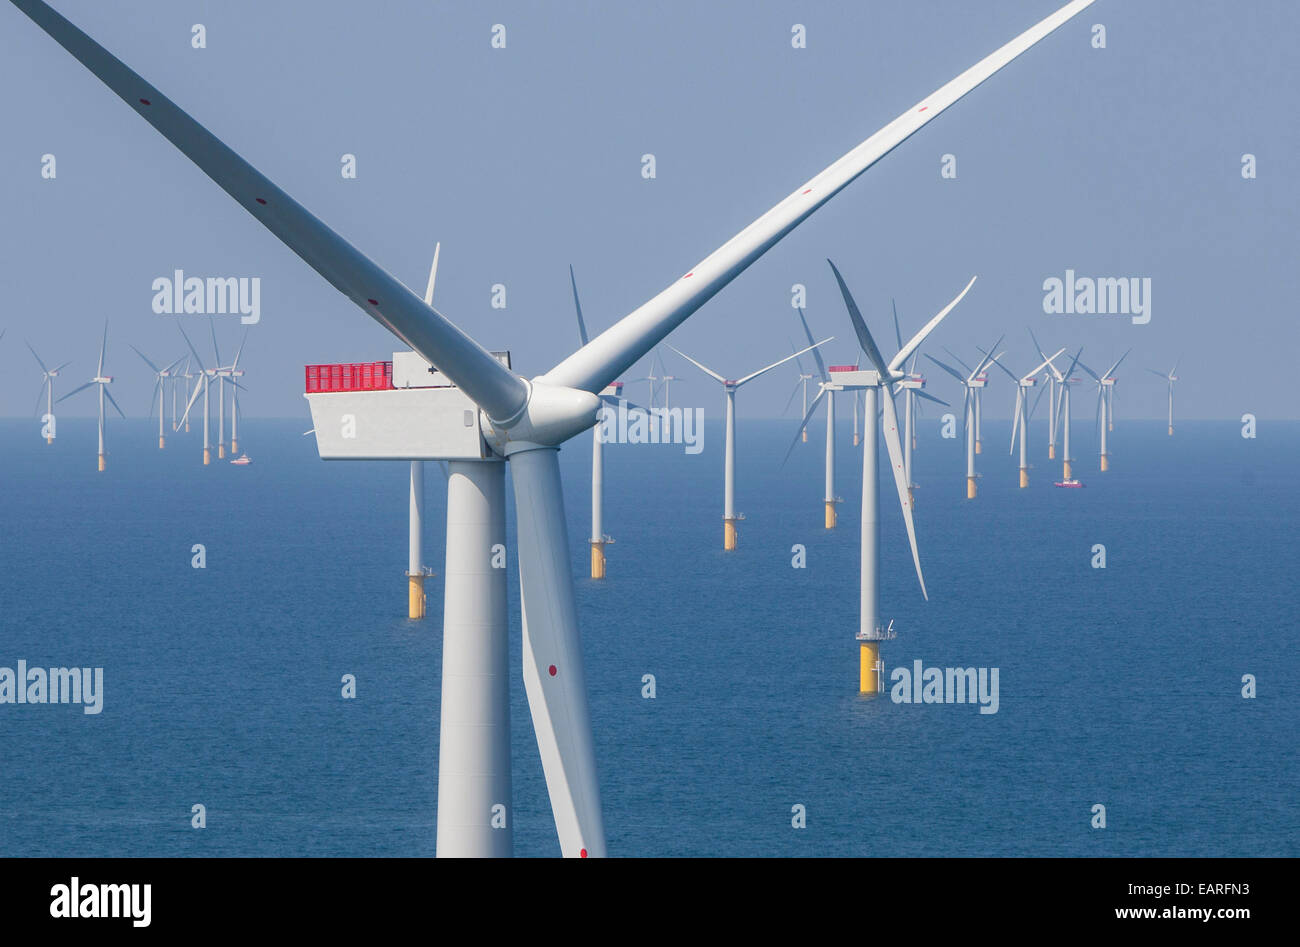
{"x": 397, "y": 424}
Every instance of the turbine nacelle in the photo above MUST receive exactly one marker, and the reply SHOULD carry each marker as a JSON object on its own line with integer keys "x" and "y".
{"x": 551, "y": 415}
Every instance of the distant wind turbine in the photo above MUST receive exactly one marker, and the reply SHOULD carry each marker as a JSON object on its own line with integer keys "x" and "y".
{"x": 103, "y": 381}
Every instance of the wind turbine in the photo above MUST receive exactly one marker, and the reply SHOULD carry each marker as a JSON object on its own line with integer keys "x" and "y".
{"x": 1169, "y": 381}
{"x": 103, "y": 381}
{"x": 186, "y": 376}
{"x": 1022, "y": 413}
{"x": 1063, "y": 383}
{"x": 972, "y": 383}
{"x": 873, "y": 383}
{"x": 827, "y": 391}
{"x": 234, "y": 373}
{"x": 205, "y": 377}
{"x": 1053, "y": 400}
{"x": 47, "y": 389}
{"x": 521, "y": 421}
{"x": 730, "y": 387}
{"x": 912, "y": 386}
{"x": 416, "y": 570}
{"x": 802, "y": 383}
{"x": 161, "y": 376}
{"x": 1105, "y": 392}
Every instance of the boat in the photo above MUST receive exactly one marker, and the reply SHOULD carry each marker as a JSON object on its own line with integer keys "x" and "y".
{"x": 1068, "y": 483}
{"x": 241, "y": 460}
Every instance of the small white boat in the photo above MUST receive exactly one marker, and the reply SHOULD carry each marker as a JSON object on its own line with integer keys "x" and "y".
{"x": 241, "y": 460}
{"x": 1067, "y": 483}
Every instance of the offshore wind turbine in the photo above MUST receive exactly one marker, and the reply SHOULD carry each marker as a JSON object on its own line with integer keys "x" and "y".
{"x": 103, "y": 381}
{"x": 828, "y": 392}
{"x": 521, "y": 421}
{"x": 912, "y": 385}
{"x": 971, "y": 383}
{"x": 1105, "y": 393}
{"x": 1053, "y": 399}
{"x": 47, "y": 388}
{"x": 234, "y": 373}
{"x": 416, "y": 570}
{"x": 1063, "y": 382}
{"x": 801, "y": 384}
{"x": 877, "y": 388}
{"x": 161, "y": 376}
{"x": 730, "y": 387}
{"x": 1169, "y": 382}
{"x": 1022, "y": 413}
{"x": 205, "y": 377}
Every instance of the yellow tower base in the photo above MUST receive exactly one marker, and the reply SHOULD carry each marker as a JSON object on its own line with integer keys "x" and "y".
{"x": 234, "y": 447}
{"x": 414, "y": 596}
{"x": 911, "y": 499}
{"x": 221, "y": 450}
{"x": 101, "y": 463}
{"x": 830, "y": 514}
{"x": 805, "y": 437}
{"x": 1067, "y": 471}
{"x": 1171, "y": 432}
{"x": 856, "y": 440}
{"x": 162, "y": 442}
{"x": 979, "y": 447}
{"x": 1051, "y": 452}
{"x": 50, "y": 440}
{"x": 1024, "y": 478}
{"x": 868, "y": 655}
{"x": 970, "y": 488}
{"x": 729, "y": 534}
{"x": 597, "y": 559}
{"x": 1110, "y": 426}
{"x": 207, "y": 456}
{"x": 1105, "y": 463}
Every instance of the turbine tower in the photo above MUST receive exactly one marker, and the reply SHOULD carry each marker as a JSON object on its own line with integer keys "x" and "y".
{"x": 1169, "y": 382}
{"x": 972, "y": 383}
{"x": 234, "y": 373}
{"x": 161, "y": 376}
{"x": 490, "y": 416}
{"x": 1105, "y": 393}
{"x": 877, "y": 387}
{"x": 1022, "y": 413}
{"x": 49, "y": 374}
{"x": 730, "y": 387}
{"x": 103, "y": 381}
{"x": 205, "y": 377}
{"x": 1063, "y": 382}
{"x": 416, "y": 570}
{"x": 1053, "y": 399}
{"x": 801, "y": 384}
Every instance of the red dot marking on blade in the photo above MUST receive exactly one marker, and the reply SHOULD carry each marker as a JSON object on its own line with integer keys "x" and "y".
{"x": 552, "y": 669}
{"x": 261, "y": 200}
{"x": 583, "y": 853}
{"x": 145, "y": 102}
{"x": 373, "y": 302}
{"x": 809, "y": 191}
{"x": 689, "y": 275}
{"x": 923, "y": 108}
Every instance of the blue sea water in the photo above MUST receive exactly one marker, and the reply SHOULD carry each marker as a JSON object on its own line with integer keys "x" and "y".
{"x": 222, "y": 686}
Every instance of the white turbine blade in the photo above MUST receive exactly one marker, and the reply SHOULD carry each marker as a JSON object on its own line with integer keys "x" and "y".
{"x": 198, "y": 386}
{"x": 498, "y": 391}
{"x": 1095, "y": 377}
{"x": 73, "y": 392}
{"x": 812, "y": 409}
{"x": 1015, "y": 418}
{"x": 707, "y": 371}
{"x": 1174, "y": 371}
{"x": 929, "y": 397}
{"x": 1096, "y": 423}
{"x": 817, "y": 356}
{"x": 1034, "y": 406}
{"x": 984, "y": 362}
{"x": 1044, "y": 364}
{"x": 947, "y": 368}
{"x": 1010, "y": 374}
{"x": 752, "y": 375}
{"x": 198, "y": 361}
{"x": 99, "y": 373}
{"x": 312, "y": 431}
{"x": 109, "y": 396}
{"x": 860, "y": 327}
{"x": 929, "y": 327}
{"x": 146, "y": 359}
{"x": 601, "y": 361}
{"x": 554, "y": 678}
{"x": 889, "y": 427}
{"x": 577, "y": 307}
{"x": 153, "y": 398}
{"x": 239, "y": 351}
{"x": 38, "y": 358}
{"x": 1111, "y": 371}
{"x": 433, "y": 276}
{"x": 790, "y": 401}
{"x": 216, "y": 355}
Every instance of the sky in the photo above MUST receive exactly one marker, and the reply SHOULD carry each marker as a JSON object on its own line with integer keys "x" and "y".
{"x": 1122, "y": 161}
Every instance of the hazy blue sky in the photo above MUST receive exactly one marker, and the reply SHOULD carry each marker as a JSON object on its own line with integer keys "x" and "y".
{"x": 1117, "y": 162}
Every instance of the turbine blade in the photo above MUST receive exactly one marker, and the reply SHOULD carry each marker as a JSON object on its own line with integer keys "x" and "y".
{"x": 762, "y": 371}
{"x": 948, "y": 368}
{"x": 433, "y": 276}
{"x": 812, "y": 408}
{"x": 1003, "y": 367}
{"x": 1034, "y": 406}
{"x": 1072, "y": 364}
{"x": 889, "y": 426}
{"x": 198, "y": 361}
{"x": 239, "y": 351}
{"x": 198, "y": 386}
{"x": 707, "y": 371}
{"x": 1111, "y": 371}
{"x": 1015, "y": 418}
{"x": 146, "y": 359}
{"x": 966, "y": 368}
{"x": 602, "y": 360}
{"x": 898, "y": 332}
{"x": 73, "y": 392}
{"x": 1045, "y": 363}
{"x": 860, "y": 327}
{"x": 47, "y": 371}
{"x": 1174, "y": 371}
{"x": 929, "y": 397}
{"x": 99, "y": 373}
{"x": 216, "y": 355}
{"x": 817, "y": 356}
{"x": 554, "y": 678}
{"x": 984, "y": 362}
{"x": 1094, "y": 375}
{"x": 109, "y": 396}
{"x": 577, "y": 306}
{"x": 797, "y": 386}
{"x": 915, "y": 342}
{"x": 498, "y": 391}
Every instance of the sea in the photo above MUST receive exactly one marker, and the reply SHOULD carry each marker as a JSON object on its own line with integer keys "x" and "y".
{"x": 1127, "y": 687}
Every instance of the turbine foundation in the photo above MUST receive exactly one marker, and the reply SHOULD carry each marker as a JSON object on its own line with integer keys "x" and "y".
{"x": 830, "y": 514}
{"x": 979, "y": 447}
{"x": 857, "y": 439}
{"x": 50, "y": 440}
{"x": 597, "y": 559}
{"x": 234, "y": 445}
{"x": 221, "y": 450}
{"x": 729, "y": 534}
{"x": 101, "y": 463}
{"x": 1171, "y": 432}
{"x": 414, "y": 595}
{"x": 1024, "y": 478}
{"x": 868, "y": 657}
{"x": 970, "y": 488}
{"x": 1067, "y": 471}
{"x": 805, "y": 437}
{"x": 162, "y": 442}
{"x": 1105, "y": 463}
{"x": 207, "y": 456}
{"x": 1051, "y": 452}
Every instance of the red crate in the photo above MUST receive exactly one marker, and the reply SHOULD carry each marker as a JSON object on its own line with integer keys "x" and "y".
{"x": 349, "y": 376}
